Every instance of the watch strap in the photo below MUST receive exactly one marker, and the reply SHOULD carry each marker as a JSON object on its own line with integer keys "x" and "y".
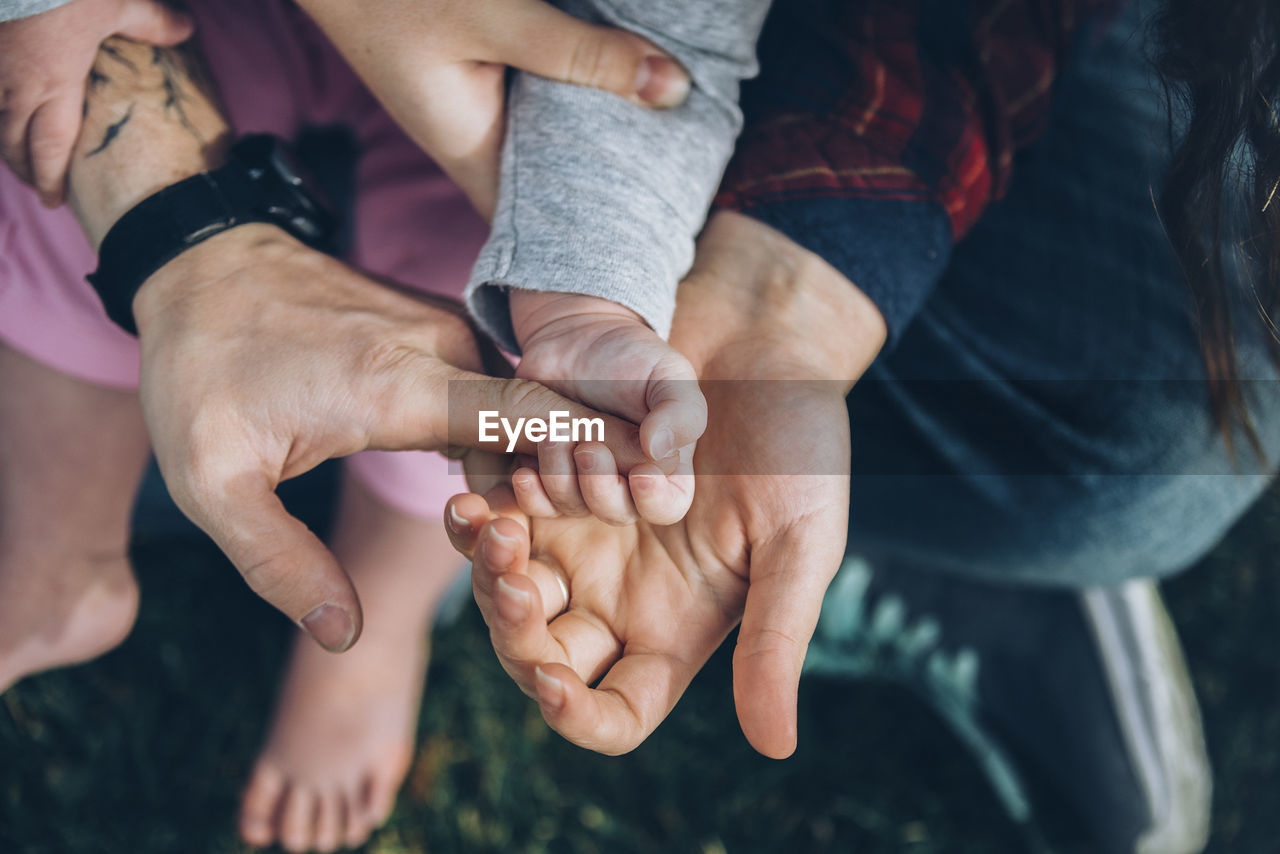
{"x": 182, "y": 215}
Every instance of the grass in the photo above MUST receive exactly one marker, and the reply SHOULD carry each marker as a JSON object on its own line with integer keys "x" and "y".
{"x": 145, "y": 749}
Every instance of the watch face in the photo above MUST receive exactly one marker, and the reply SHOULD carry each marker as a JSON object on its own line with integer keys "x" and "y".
{"x": 286, "y": 197}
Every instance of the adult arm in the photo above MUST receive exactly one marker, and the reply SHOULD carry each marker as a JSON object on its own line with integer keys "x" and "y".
{"x": 599, "y": 197}
{"x": 439, "y": 68}
{"x": 880, "y": 132}
{"x": 262, "y": 358}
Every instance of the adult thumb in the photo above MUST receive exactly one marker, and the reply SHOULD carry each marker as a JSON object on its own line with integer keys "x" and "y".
{"x": 155, "y": 23}
{"x": 789, "y": 577}
{"x": 541, "y": 39}
{"x": 280, "y": 559}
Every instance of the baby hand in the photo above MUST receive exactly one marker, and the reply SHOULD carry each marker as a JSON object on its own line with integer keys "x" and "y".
{"x": 603, "y": 354}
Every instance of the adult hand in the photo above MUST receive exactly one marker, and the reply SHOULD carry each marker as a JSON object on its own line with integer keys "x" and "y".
{"x": 45, "y": 62}
{"x": 438, "y": 67}
{"x": 778, "y": 338}
{"x": 262, "y": 358}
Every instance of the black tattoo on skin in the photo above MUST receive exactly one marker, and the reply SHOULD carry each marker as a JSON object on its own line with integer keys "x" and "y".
{"x": 182, "y": 88}
{"x": 172, "y": 72}
{"x": 113, "y": 131}
{"x": 114, "y": 53}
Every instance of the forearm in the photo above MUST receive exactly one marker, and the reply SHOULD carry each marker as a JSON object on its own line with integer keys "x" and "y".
{"x": 150, "y": 120}
{"x": 604, "y": 198}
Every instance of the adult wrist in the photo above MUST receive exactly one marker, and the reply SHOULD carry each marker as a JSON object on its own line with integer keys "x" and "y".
{"x": 759, "y": 306}
{"x": 258, "y": 184}
{"x": 149, "y": 123}
{"x": 207, "y": 264}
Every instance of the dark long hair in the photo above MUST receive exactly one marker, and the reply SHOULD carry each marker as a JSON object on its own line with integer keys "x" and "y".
{"x": 1220, "y": 62}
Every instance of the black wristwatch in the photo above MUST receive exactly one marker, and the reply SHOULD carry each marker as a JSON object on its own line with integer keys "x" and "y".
{"x": 258, "y": 183}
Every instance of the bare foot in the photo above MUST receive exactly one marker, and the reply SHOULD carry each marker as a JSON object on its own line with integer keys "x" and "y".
{"x": 72, "y": 609}
{"x": 71, "y": 457}
{"x": 343, "y": 734}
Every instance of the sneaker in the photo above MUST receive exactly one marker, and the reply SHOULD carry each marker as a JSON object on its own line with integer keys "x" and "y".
{"x": 1088, "y": 685}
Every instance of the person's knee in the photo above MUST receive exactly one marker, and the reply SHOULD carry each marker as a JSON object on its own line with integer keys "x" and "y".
{"x": 1143, "y": 491}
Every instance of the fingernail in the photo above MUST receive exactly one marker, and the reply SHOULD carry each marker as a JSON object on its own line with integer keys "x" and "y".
{"x": 513, "y": 603}
{"x": 585, "y": 460}
{"x": 661, "y": 82}
{"x": 456, "y": 521}
{"x": 550, "y": 689}
{"x": 499, "y": 548}
{"x": 331, "y": 626}
{"x": 642, "y": 482}
{"x": 663, "y": 444}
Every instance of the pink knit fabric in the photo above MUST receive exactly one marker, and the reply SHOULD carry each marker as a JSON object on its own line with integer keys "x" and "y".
{"x": 276, "y": 73}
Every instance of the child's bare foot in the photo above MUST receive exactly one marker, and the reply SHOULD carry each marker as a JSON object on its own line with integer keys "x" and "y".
{"x": 71, "y": 457}
{"x": 343, "y": 734}
{"x": 65, "y": 610}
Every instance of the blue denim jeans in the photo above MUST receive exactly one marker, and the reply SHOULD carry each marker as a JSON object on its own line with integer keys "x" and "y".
{"x": 1045, "y": 419}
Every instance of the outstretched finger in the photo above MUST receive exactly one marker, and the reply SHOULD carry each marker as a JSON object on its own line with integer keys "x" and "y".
{"x": 474, "y": 416}
{"x": 789, "y": 577}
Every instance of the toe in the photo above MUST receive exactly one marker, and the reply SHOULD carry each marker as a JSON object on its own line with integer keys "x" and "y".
{"x": 329, "y": 821}
{"x": 381, "y": 799}
{"x": 260, "y": 806}
{"x": 297, "y": 822}
{"x": 357, "y": 829}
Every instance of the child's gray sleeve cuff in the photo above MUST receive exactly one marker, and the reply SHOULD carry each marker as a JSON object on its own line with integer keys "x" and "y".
{"x": 11, "y": 10}
{"x": 604, "y": 198}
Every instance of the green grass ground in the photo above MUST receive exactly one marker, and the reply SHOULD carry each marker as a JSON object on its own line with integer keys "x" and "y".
{"x": 144, "y": 750}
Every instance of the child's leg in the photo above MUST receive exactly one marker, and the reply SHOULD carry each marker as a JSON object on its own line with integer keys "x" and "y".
{"x": 71, "y": 457}
{"x": 343, "y": 734}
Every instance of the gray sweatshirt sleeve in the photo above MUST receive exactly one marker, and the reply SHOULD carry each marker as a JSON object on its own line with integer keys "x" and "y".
{"x": 11, "y": 10}
{"x": 604, "y": 198}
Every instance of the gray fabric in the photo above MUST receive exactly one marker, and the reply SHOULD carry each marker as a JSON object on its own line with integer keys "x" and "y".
{"x": 602, "y": 197}
{"x": 11, "y": 10}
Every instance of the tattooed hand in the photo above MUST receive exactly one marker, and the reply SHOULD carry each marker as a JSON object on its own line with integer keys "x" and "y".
{"x": 438, "y": 68}
{"x": 45, "y": 61}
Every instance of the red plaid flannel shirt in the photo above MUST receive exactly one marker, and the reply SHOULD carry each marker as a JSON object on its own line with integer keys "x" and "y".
{"x": 895, "y": 121}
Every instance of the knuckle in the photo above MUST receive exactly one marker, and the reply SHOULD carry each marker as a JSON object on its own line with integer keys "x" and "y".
{"x": 526, "y": 396}
{"x": 384, "y": 370}
{"x": 194, "y": 484}
{"x": 591, "y": 62}
{"x": 387, "y": 358}
{"x": 272, "y": 574}
{"x": 768, "y": 641}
